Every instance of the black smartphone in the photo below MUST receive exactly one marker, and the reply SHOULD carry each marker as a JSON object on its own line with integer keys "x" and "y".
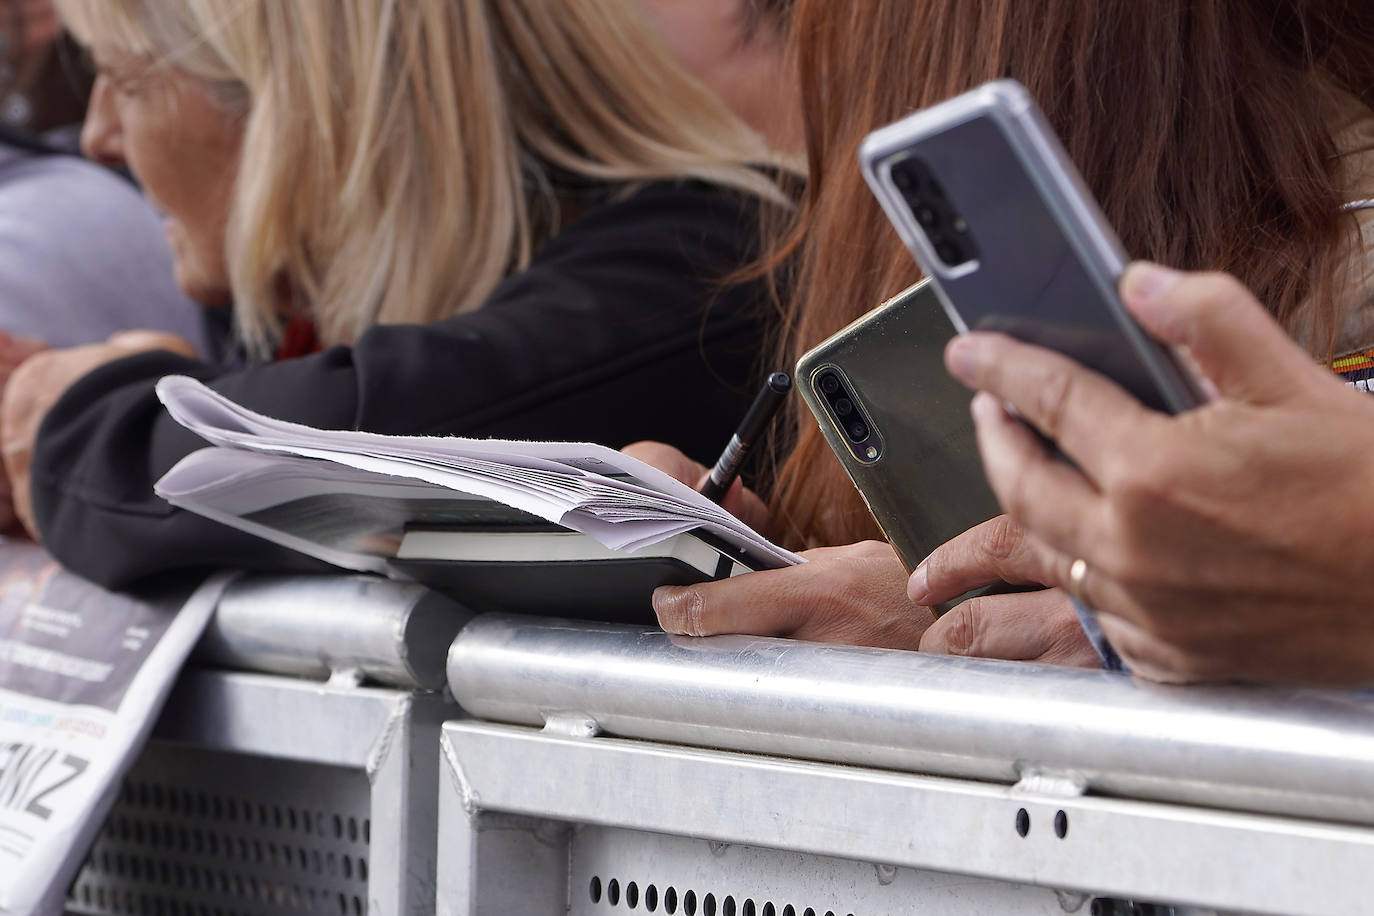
{"x": 986, "y": 199}
{"x": 899, "y": 423}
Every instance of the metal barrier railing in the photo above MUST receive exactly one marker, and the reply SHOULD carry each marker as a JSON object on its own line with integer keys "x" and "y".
{"x": 771, "y": 776}
{"x": 395, "y": 633}
{"x": 754, "y": 772}
{"x": 1305, "y": 753}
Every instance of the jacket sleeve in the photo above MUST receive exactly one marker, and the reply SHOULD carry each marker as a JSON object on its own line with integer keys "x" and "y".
{"x": 622, "y": 328}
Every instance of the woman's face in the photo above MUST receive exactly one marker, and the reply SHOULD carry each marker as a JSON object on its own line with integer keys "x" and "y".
{"x": 182, "y": 147}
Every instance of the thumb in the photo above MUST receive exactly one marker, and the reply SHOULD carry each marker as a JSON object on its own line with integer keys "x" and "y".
{"x": 1220, "y": 325}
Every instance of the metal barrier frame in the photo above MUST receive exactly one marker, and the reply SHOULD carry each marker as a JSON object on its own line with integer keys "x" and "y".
{"x": 1110, "y": 848}
{"x": 387, "y": 734}
{"x": 619, "y": 707}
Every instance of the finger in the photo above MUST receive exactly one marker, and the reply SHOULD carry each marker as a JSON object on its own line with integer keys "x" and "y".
{"x": 15, "y": 348}
{"x": 1147, "y": 656}
{"x": 743, "y": 503}
{"x": 998, "y": 550}
{"x": 767, "y": 603}
{"x": 1235, "y": 343}
{"x": 18, "y": 430}
{"x": 853, "y": 594}
{"x": 1039, "y": 492}
{"x": 152, "y": 340}
{"x": 1032, "y": 626}
{"x": 667, "y": 459}
{"x": 1088, "y": 416}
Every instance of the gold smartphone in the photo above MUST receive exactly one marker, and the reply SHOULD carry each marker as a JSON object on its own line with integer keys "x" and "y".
{"x": 899, "y": 424}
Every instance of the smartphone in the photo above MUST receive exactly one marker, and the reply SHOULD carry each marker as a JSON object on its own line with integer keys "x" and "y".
{"x": 899, "y": 424}
{"x": 986, "y": 199}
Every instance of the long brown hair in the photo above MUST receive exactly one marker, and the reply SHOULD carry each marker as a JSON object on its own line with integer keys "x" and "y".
{"x": 1203, "y": 127}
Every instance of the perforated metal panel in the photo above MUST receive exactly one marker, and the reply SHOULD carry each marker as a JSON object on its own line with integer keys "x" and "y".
{"x": 198, "y": 832}
{"x": 625, "y": 871}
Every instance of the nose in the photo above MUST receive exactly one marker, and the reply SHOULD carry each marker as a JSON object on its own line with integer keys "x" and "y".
{"x": 101, "y": 137}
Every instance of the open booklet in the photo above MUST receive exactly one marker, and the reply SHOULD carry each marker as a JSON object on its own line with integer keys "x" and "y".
{"x": 561, "y": 527}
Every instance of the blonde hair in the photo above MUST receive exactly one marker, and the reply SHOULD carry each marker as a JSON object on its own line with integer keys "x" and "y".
{"x": 397, "y": 154}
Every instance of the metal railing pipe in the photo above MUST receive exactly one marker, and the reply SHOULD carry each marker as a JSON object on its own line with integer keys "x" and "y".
{"x": 317, "y": 626}
{"x": 1297, "y": 752}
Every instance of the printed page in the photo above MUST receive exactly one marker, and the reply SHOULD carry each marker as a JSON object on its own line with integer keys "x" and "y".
{"x": 83, "y": 675}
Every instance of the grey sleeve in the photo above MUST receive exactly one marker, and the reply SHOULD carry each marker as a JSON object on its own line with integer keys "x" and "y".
{"x": 82, "y": 255}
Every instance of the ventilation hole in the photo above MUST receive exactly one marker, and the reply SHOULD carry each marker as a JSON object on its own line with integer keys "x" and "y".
{"x": 769, "y": 909}
{"x": 357, "y": 906}
{"x": 613, "y": 893}
{"x": 367, "y": 830}
{"x": 338, "y": 827}
{"x": 1061, "y": 824}
{"x": 689, "y": 903}
{"x": 594, "y": 890}
{"x": 362, "y": 869}
{"x": 1022, "y": 821}
{"x": 808, "y": 912}
{"x": 670, "y": 900}
{"x": 347, "y": 867}
{"x": 632, "y": 895}
{"x": 789, "y": 910}
{"x": 651, "y": 898}
{"x": 708, "y": 906}
{"x": 748, "y": 908}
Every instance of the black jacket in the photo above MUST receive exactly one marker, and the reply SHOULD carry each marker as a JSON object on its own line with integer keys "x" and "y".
{"x": 621, "y": 329}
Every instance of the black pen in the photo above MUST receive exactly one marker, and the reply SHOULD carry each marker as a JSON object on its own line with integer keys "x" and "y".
{"x": 750, "y": 430}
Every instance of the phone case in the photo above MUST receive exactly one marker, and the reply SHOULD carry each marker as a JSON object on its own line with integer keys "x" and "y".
{"x": 989, "y": 176}
{"x": 926, "y": 484}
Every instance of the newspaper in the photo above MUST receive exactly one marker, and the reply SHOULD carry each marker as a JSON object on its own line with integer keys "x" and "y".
{"x": 83, "y": 674}
{"x": 342, "y": 496}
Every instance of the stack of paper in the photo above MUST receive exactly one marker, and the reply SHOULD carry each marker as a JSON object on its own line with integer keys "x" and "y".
{"x": 344, "y": 489}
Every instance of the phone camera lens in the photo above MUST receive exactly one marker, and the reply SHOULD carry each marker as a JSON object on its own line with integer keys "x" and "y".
{"x": 949, "y": 253}
{"x": 844, "y": 407}
{"x": 903, "y": 179}
{"x": 829, "y": 384}
{"x": 926, "y": 216}
{"x": 858, "y": 431}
